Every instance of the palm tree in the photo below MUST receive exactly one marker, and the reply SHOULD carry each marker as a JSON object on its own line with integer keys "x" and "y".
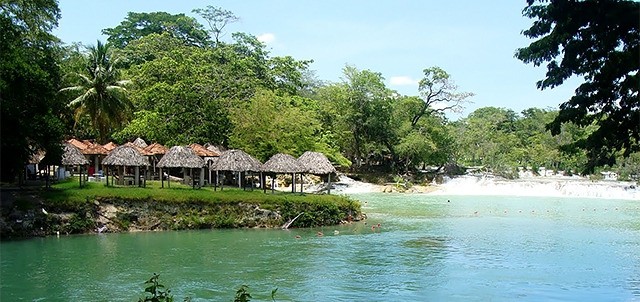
{"x": 100, "y": 93}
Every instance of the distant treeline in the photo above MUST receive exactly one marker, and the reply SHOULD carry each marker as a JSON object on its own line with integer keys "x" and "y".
{"x": 169, "y": 79}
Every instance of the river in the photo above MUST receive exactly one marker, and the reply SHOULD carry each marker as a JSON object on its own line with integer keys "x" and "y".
{"x": 428, "y": 248}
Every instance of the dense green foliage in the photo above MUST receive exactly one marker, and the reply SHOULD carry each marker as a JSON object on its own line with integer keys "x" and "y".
{"x": 29, "y": 79}
{"x": 189, "y": 84}
{"x": 599, "y": 41}
{"x": 100, "y": 95}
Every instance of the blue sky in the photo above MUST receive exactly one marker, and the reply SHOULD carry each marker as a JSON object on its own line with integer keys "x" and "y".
{"x": 474, "y": 41}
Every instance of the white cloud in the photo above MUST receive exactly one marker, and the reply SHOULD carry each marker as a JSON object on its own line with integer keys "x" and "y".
{"x": 402, "y": 81}
{"x": 267, "y": 38}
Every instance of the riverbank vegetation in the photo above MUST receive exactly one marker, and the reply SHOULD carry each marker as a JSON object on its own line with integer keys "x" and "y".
{"x": 170, "y": 79}
{"x": 68, "y": 209}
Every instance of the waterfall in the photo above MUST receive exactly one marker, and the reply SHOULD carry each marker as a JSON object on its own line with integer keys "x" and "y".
{"x": 539, "y": 186}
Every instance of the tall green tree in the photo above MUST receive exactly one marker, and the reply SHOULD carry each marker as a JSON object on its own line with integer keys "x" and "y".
{"x": 29, "y": 79}
{"x": 137, "y": 25}
{"x": 218, "y": 18}
{"x": 100, "y": 94}
{"x": 428, "y": 142}
{"x": 599, "y": 41}
{"x": 270, "y": 124}
{"x": 439, "y": 94}
{"x": 359, "y": 108}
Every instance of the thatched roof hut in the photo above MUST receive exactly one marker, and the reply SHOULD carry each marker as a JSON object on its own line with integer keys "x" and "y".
{"x": 316, "y": 163}
{"x": 155, "y": 149}
{"x": 138, "y": 148}
{"x": 125, "y": 156}
{"x": 81, "y": 145}
{"x": 109, "y": 146}
{"x": 181, "y": 157}
{"x": 37, "y": 157}
{"x": 237, "y": 161}
{"x": 72, "y": 156}
{"x": 282, "y": 163}
{"x": 202, "y": 151}
{"x": 140, "y": 143}
{"x": 214, "y": 148}
{"x": 95, "y": 149}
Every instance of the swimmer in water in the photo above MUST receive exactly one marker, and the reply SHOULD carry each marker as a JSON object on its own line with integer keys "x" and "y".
{"x": 320, "y": 234}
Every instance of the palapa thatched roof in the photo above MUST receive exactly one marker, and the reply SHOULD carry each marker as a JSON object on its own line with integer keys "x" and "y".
{"x": 81, "y": 145}
{"x": 110, "y": 146}
{"x": 214, "y": 148}
{"x": 37, "y": 157}
{"x": 316, "y": 163}
{"x": 202, "y": 151}
{"x": 181, "y": 157}
{"x": 282, "y": 163}
{"x": 155, "y": 149}
{"x": 72, "y": 156}
{"x": 125, "y": 156}
{"x": 95, "y": 149}
{"x": 236, "y": 161}
{"x": 140, "y": 143}
{"x": 141, "y": 150}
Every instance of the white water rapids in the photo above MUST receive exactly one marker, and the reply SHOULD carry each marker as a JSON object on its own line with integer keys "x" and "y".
{"x": 527, "y": 186}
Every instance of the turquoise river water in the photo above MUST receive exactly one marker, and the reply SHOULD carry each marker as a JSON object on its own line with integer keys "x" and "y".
{"x": 427, "y": 249}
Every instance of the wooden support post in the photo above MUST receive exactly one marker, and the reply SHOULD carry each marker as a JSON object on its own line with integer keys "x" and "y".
{"x": 136, "y": 174}
{"x": 202, "y": 176}
{"x": 263, "y": 183}
{"x": 215, "y": 186}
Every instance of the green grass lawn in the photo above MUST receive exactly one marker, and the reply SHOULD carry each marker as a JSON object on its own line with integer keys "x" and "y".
{"x": 69, "y": 192}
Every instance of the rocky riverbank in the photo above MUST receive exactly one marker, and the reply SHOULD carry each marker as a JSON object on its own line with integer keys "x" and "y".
{"x": 24, "y": 214}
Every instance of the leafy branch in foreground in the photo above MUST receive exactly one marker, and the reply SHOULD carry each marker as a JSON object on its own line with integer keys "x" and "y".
{"x": 159, "y": 293}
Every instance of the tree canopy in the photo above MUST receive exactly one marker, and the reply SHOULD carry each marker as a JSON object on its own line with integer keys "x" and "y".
{"x": 29, "y": 79}
{"x": 183, "y": 87}
{"x": 138, "y": 25}
{"x": 600, "y": 42}
{"x": 99, "y": 93}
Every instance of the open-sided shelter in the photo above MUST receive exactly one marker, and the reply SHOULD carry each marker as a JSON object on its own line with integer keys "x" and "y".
{"x": 123, "y": 157}
{"x": 236, "y": 161}
{"x": 318, "y": 164}
{"x": 155, "y": 152}
{"x": 73, "y": 157}
{"x": 96, "y": 152}
{"x": 182, "y": 157}
{"x": 208, "y": 155}
{"x": 282, "y": 164}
